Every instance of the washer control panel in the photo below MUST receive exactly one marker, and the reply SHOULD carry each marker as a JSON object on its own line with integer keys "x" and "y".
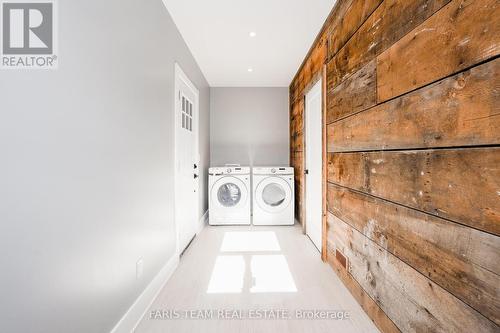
{"x": 229, "y": 171}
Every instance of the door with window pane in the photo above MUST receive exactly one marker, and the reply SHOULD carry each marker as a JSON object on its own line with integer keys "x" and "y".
{"x": 187, "y": 170}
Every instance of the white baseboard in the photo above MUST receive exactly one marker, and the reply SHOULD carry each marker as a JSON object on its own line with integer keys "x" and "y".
{"x": 202, "y": 223}
{"x": 133, "y": 316}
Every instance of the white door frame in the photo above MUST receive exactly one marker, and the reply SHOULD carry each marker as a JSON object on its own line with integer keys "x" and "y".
{"x": 180, "y": 75}
{"x": 319, "y": 83}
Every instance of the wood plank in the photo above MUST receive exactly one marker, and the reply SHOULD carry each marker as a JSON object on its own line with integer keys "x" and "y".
{"x": 300, "y": 208}
{"x": 317, "y": 59}
{"x": 292, "y": 90}
{"x": 460, "y": 35}
{"x": 354, "y": 17}
{"x": 411, "y": 300}
{"x": 357, "y": 93}
{"x": 300, "y": 85}
{"x": 392, "y": 20}
{"x": 310, "y": 68}
{"x": 297, "y": 141}
{"x": 462, "y": 260}
{"x": 379, "y": 318}
{"x": 297, "y": 123}
{"x": 331, "y": 23}
{"x": 462, "y": 185}
{"x": 297, "y": 162}
{"x": 294, "y": 109}
{"x": 462, "y": 110}
{"x": 297, "y": 126}
{"x": 293, "y": 126}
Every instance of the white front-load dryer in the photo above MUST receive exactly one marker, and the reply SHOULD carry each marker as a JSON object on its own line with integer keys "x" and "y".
{"x": 229, "y": 196}
{"x": 273, "y": 196}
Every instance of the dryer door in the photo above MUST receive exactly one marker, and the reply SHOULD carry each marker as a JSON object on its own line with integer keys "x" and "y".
{"x": 273, "y": 194}
{"x": 229, "y": 192}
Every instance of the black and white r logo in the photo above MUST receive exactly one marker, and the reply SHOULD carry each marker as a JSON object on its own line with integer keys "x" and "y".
{"x": 28, "y": 28}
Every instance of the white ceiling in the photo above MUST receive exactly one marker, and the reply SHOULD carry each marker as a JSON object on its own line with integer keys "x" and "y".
{"x": 217, "y": 33}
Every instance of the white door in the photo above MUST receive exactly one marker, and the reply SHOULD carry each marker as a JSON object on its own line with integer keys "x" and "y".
{"x": 186, "y": 159}
{"x": 314, "y": 155}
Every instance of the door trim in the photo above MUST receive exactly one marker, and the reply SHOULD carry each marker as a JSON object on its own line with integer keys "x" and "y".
{"x": 180, "y": 75}
{"x": 324, "y": 167}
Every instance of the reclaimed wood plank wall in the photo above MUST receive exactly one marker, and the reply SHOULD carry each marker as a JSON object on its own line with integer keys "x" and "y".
{"x": 413, "y": 172}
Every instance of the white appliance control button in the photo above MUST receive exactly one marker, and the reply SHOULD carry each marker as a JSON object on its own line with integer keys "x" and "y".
{"x": 228, "y": 170}
{"x": 273, "y": 170}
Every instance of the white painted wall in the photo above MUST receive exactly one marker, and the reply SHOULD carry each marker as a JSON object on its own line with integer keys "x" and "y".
{"x": 249, "y": 126}
{"x": 86, "y": 172}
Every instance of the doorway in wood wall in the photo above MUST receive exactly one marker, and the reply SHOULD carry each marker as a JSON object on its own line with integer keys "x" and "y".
{"x": 313, "y": 164}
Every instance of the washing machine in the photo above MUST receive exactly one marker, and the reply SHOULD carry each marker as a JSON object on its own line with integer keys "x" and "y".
{"x": 273, "y": 196}
{"x": 229, "y": 196}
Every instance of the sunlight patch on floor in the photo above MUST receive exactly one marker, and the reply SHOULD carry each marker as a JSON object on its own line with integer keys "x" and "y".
{"x": 250, "y": 241}
{"x": 243, "y": 267}
{"x": 271, "y": 274}
{"x": 228, "y": 275}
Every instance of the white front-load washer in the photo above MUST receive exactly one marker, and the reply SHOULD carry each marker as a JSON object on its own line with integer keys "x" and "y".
{"x": 273, "y": 196}
{"x": 229, "y": 196}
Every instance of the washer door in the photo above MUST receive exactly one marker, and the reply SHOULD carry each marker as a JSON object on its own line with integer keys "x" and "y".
{"x": 229, "y": 192}
{"x": 273, "y": 195}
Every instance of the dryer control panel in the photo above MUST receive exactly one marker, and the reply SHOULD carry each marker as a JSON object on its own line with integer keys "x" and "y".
{"x": 273, "y": 171}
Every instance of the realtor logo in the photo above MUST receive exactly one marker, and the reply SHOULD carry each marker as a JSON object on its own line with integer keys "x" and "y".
{"x": 28, "y": 34}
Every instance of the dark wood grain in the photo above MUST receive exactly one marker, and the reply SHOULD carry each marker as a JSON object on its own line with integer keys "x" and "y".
{"x": 433, "y": 246}
{"x": 353, "y": 18}
{"x": 414, "y": 302}
{"x": 357, "y": 93}
{"x": 460, "y": 35}
{"x": 446, "y": 183}
{"x": 392, "y": 20}
{"x": 463, "y": 110}
{"x": 368, "y": 304}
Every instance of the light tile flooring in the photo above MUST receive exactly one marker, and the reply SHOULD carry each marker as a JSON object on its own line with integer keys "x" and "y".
{"x": 253, "y": 271}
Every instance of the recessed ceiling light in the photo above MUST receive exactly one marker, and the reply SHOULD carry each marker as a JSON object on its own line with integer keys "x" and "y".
{"x": 250, "y": 70}
{"x": 253, "y": 34}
